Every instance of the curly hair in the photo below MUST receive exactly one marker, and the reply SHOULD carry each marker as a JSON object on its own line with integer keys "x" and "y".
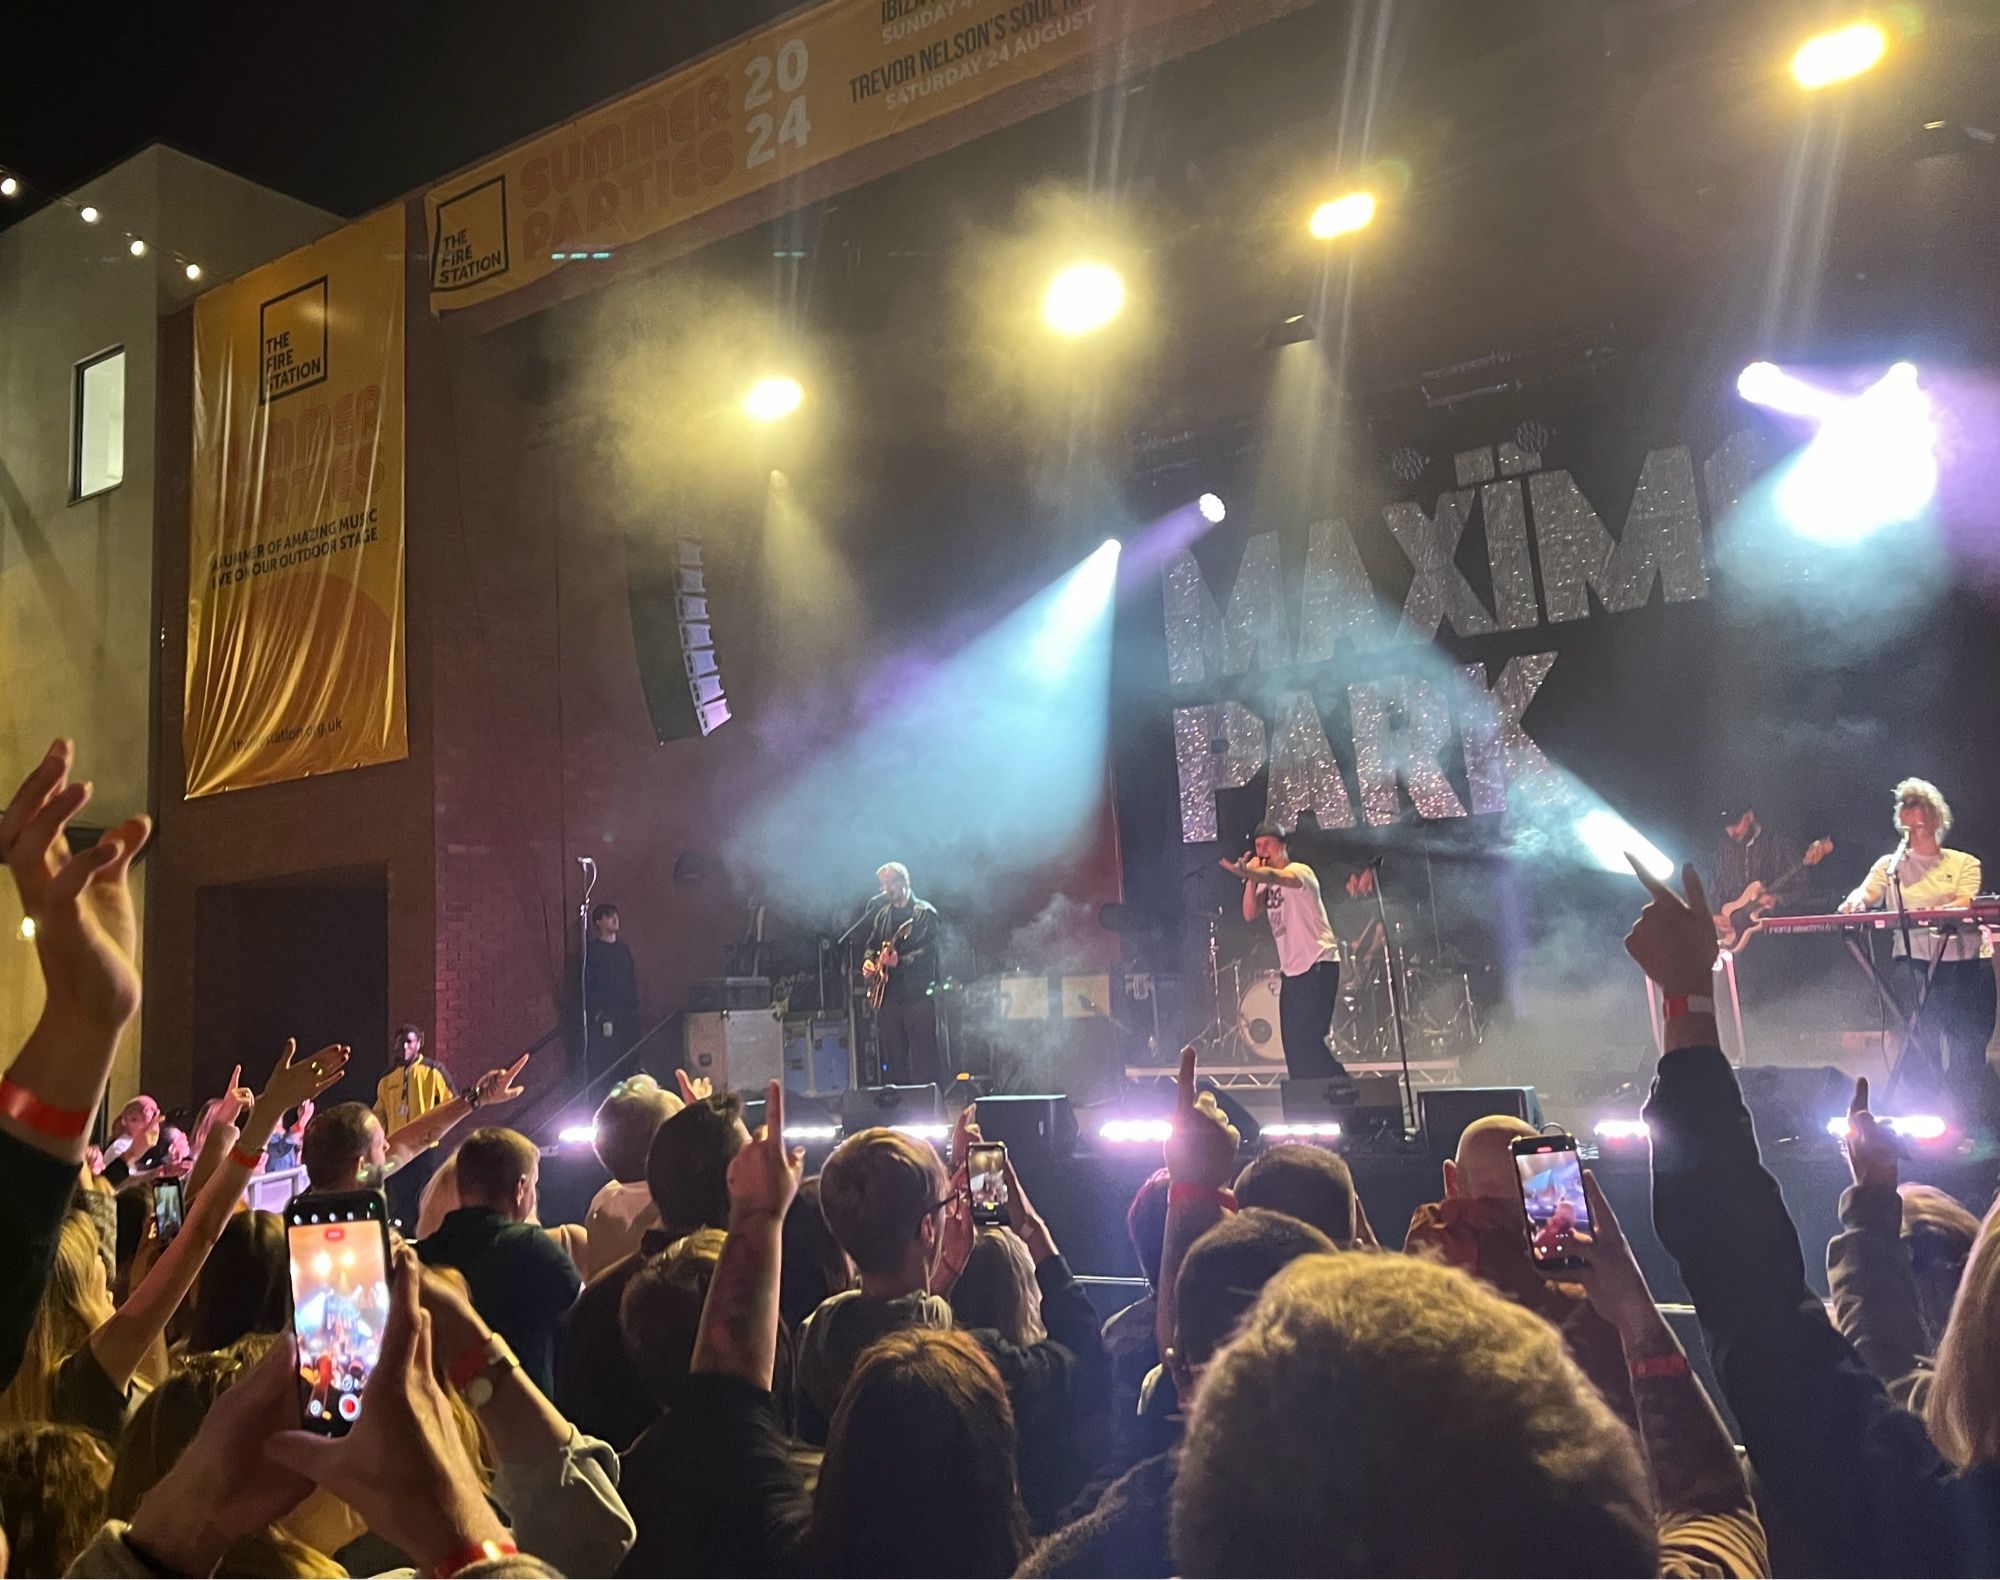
{"x": 1360, "y": 1385}
{"x": 1931, "y": 796}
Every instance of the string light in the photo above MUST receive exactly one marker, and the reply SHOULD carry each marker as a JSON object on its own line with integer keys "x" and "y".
{"x": 13, "y": 186}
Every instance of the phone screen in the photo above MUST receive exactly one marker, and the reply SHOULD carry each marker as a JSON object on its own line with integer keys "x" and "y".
{"x": 1559, "y": 1227}
{"x": 986, "y": 1177}
{"x": 339, "y": 1247}
{"x": 168, "y": 1208}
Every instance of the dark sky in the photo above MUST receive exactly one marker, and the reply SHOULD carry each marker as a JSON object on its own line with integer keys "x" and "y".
{"x": 345, "y": 105}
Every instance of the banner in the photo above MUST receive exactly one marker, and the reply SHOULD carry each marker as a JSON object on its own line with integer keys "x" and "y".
{"x": 295, "y": 522}
{"x": 784, "y": 99}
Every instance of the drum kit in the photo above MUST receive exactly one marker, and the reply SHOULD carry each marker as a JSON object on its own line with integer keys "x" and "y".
{"x": 1442, "y": 1018}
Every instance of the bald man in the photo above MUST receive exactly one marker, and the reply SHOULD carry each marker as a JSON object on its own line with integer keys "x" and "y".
{"x": 1481, "y": 1228}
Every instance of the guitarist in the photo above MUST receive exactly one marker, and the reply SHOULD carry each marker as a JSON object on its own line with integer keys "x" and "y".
{"x": 902, "y": 955}
{"x": 1749, "y": 853}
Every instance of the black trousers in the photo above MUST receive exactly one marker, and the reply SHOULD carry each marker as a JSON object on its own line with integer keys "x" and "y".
{"x": 906, "y": 1033}
{"x": 1305, "y": 1017}
{"x": 1948, "y": 1054}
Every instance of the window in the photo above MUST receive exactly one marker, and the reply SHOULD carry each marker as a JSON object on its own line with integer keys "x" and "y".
{"x": 97, "y": 460}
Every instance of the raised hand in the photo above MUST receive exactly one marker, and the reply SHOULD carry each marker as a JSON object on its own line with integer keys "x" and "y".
{"x": 497, "y": 1086}
{"x": 964, "y": 1136}
{"x": 1873, "y": 1154}
{"x": 1674, "y": 939}
{"x": 86, "y": 931}
{"x": 1202, "y": 1149}
{"x": 955, "y": 1237}
{"x": 1610, "y": 1273}
{"x": 764, "y": 1176}
{"x": 698, "y": 1089}
{"x": 297, "y": 1080}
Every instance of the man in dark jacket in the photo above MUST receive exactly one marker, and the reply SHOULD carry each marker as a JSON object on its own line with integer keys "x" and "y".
{"x": 521, "y": 1280}
{"x": 1835, "y": 1456}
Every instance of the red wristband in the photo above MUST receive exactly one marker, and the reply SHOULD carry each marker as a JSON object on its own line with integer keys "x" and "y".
{"x": 45, "y": 1119}
{"x": 1674, "y": 1365}
{"x": 247, "y": 1159}
{"x": 473, "y": 1360}
{"x": 466, "y": 1557}
{"x": 1216, "y": 1193}
{"x": 1679, "y": 1006}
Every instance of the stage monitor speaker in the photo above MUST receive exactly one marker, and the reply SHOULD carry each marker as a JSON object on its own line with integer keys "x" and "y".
{"x": 1368, "y": 1108}
{"x": 1041, "y": 1127}
{"x": 888, "y": 1105}
{"x": 1794, "y": 1102}
{"x": 673, "y": 633}
{"x": 817, "y": 1063}
{"x": 739, "y": 1050}
{"x": 1447, "y": 1110}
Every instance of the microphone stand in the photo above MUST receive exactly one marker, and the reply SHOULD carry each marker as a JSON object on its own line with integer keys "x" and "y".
{"x": 583, "y": 955}
{"x": 1392, "y": 963}
{"x": 868, "y": 914}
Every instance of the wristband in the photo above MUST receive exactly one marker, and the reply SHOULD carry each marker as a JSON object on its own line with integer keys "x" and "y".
{"x": 466, "y": 1557}
{"x": 1220, "y": 1194}
{"x": 477, "y": 1357}
{"x": 1674, "y": 1365}
{"x": 1679, "y": 1006}
{"x": 45, "y": 1119}
{"x": 249, "y": 1160}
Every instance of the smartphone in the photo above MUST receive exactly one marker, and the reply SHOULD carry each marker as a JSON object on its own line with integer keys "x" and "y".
{"x": 339, "y": 1247}
{"x": 986, "y": 1174}
{"x": 1559, "y": 1226}
{"x": 169, "y": 1206}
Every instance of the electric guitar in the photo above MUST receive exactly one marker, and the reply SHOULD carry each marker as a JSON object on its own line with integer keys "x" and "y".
{"x": 1743, "y": 917}
{"x": 876, "y": 969}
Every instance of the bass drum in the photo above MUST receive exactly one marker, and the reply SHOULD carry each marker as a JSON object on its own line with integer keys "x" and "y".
{"x": 1257, "y": 1018}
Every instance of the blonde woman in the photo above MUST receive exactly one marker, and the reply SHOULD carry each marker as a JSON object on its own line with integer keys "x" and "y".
{"x": 1957, "y": 1017}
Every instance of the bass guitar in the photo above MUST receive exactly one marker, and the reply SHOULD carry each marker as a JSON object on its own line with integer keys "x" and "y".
{"x": 1743, "y": 917}
{"x": 880, "y": 962}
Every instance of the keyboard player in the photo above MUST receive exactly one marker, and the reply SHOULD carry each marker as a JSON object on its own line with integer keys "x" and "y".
{"x": 1957, "y": 1018}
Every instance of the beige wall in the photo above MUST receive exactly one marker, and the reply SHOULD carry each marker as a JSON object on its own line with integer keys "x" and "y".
{"x": 76, "y": 579}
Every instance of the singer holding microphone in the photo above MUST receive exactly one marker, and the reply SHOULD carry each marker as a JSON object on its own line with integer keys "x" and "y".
{"x": 1287, "y": 892}
{"x": 1957, "y": 1017}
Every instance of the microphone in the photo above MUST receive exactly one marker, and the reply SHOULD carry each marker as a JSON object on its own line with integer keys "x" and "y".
{"x": 1376, "y": 863}
{"x": 586, "y": 863}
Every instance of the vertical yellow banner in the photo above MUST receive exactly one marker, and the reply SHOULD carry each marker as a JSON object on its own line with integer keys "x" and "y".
{"x": 295, "y": 527}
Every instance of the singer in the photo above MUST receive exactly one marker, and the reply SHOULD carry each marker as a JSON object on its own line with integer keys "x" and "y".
{"x": 1287, "y": 892}
{"x": 1954, "y": 1021}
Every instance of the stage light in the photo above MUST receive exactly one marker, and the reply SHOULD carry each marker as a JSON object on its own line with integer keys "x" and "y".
{"x": 1212, "y": 508}
{"x": 924, "y": 1132}
{"x": 1074, "y": 615}
{"x": 1872, "y": 464}
{"x": 1135, "y": 1132}
{"x": 1606, "y": 837}
{"x": 1833, "y": 57}
{"x": 9, "y": 186}
{"x": 1083, "y": 298}
{"x": 1291, "y": 331}
{"x": 770, "y": 399}
{"x": 1766, "y": 384}
{"x": 811, "y": 1132}
{"x": 577, "y": 1135}
{"x": 1911, "y": 1127}
{"x": 28, "y": 928}
{"x": 138, "y": 248}
{"x": 193, "y": 271}
{"x": 87, "y": 214}
{"x": 1622, "y": 1130}
{"x": 1326, "y": 1130}
{"x": 1342, "y": 216}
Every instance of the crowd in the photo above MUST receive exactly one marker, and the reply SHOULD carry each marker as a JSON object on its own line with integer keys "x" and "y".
{"x": 734, "y": 1369}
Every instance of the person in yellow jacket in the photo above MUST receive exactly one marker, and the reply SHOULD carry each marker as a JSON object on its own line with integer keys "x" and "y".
{"x": 412, "y": 1088}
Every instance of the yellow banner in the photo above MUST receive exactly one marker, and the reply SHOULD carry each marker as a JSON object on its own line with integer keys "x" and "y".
{"x": 295, "y": 525}
{"x": 804, "y": 90}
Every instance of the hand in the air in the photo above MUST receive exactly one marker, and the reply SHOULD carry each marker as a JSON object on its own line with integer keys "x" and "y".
{"x": 497, "y": 1086}
{"x": 1674, "y": 939}
{"x": 698, "y": 1089}
{"x": 1202, "y": 1149}
{"x": 764, "y": 1176}
{"x": 1873, "y": 1153}
{"x": 86, "y": 932}
{"x": 297, "y": 1080}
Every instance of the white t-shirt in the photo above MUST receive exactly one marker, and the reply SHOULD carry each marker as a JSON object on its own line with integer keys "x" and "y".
{"x": 1930, "y": 883}
{"x": 618, "y": 1219}
{"x": 1298, "y": 921}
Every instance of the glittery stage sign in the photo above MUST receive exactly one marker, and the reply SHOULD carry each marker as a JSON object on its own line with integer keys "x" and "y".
{"x": 1453, "y": 737}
